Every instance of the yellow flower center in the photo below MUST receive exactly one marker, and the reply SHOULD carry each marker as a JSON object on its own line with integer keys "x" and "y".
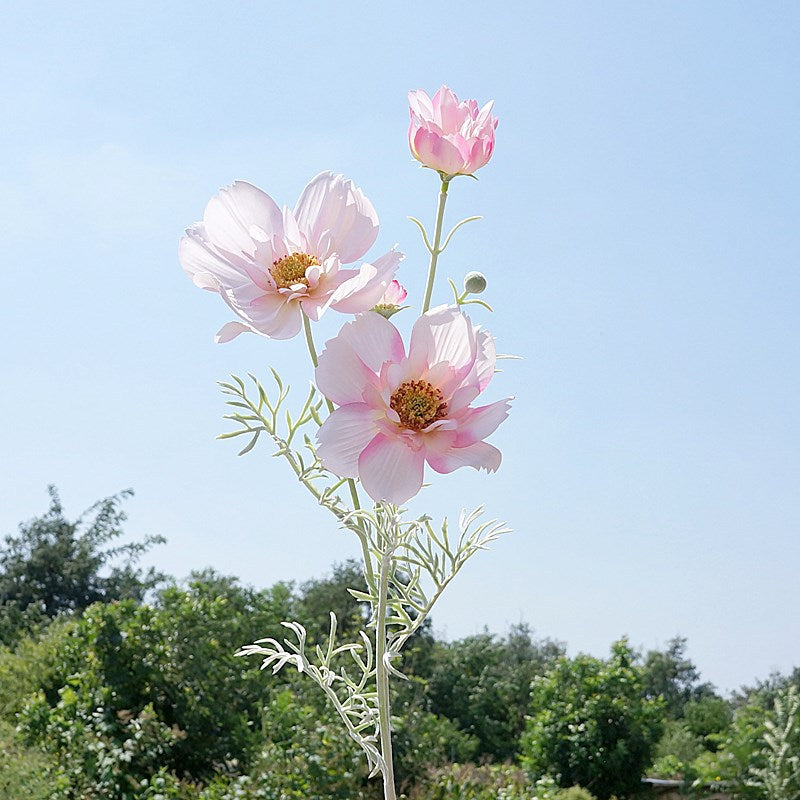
{"x": 290, "y": 270}
{"x": 418, "y": 404}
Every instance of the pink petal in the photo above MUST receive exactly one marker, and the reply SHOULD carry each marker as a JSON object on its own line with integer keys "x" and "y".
{"x": 230, "y": 215}
{"x": 267, "y": 313}
{"x": 435, "y": 151}
{"x": 420, "y": 104}
{"x": 333, "y": 207}
{"x": 374, "y": 340}
{"x": 479, "y": 455}
{"x": 445, "y": 109}
{"x": 391, "y": 470}
{"x": 366, "y": 288}
{"x": 341, "y": 375}
{"x": 485, "y": 360}
{"x": 351, "y": 360}
{"x": 478, "y": 423}
{"x": 343, "y": 436}
{"x": 230, "y": 330}
{"x": 205, "y": 265}
{"x": 443, "y": 334}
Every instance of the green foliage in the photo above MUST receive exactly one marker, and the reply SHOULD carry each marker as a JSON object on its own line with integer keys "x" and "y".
{"x": 422, "y": 741}
{"x": 482, "y": 683}
{"x": 471, "y": 782}
{"x": 574, "y": 793}
{"x": 321, "y": 596}
{"x": 55, "y": 565}
{"x": 708, "y": 718}
{"x": 671, "y": 675}
{"x": 739, "y": 751}
{"x": 306, "y": 756}
{"x": 679, "y": 740}
{"x": 779, "y": 777}
{"x": 147, "y": 687}
{"x": 591, "y": 726}
{"x": 35, "y": 664}
{"x": 23, "y": 770}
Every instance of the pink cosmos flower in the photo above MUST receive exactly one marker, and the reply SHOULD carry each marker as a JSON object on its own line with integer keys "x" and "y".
{"x": 397, "y": 410}
{"x": 452, "y": 137}
{"x": 271, "y": 265}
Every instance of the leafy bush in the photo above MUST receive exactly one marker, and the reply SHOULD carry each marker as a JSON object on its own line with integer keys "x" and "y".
{"x": 471, "y": 782}
{"x": 35, "y": 664}
{"x": 56, "y": 565}
{"x": 482, "y": 683}
{"x": 23, "y": 771}
{"x": 140, "y": 688}
{"x": 591, "y": 726}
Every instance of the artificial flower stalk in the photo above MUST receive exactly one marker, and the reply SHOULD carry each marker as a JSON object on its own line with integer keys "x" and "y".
{"x": 437, "y": 240}
{"x": 391, "y": 409}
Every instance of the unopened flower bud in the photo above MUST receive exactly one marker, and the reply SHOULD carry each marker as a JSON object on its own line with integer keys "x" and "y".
{"x": 389, "y": 304}
{"x": 474, "y": 282}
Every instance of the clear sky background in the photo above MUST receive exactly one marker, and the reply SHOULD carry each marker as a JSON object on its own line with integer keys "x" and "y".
{"x": 640, "y": 238}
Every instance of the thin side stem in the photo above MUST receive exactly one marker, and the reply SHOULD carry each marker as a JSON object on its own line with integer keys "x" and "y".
{"x": 437, "y": 240}
{"x": 312, "y": 351}
{"x": 382, "y": 675}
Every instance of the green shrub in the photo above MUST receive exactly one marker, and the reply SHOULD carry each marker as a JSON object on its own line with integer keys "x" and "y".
{"x": 574, "y": 793}
{"x": 23, "y": 771}
{"x": 137, "y": 689}
{"x": 471, "y": 782}
{"x": 591, "y": 725}
{"x": 35, "y": 663}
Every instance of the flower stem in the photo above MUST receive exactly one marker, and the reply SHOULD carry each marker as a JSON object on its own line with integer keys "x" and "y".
{"x": 437, "y": 240}
{"x": 312, "y": 351}
{"x": 382, "y": 673}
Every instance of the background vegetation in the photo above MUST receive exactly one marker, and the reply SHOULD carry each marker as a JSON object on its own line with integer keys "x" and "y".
{"x": 120, "y": 683}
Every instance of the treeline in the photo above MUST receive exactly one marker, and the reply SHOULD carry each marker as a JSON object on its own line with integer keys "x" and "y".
{"x": 120, "y": 683}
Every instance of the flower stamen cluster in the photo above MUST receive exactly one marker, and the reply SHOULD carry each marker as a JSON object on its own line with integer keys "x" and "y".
{"x": 418, "y": 404}
{"x": 291, "y": 270}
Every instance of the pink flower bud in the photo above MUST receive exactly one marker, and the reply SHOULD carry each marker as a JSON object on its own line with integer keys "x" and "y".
{"x": 452, "y": 137}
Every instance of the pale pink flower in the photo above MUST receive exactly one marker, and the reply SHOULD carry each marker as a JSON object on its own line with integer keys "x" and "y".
{"x": 271, "y": 265}
{"x": 452, "y": 137}
{"x": 392, "y": 299}
{"x": 394, "y": 295}
{"x": 397, "y": 411}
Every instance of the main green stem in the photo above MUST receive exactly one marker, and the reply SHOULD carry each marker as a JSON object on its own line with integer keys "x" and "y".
{"x": 437, "y": 240}
{"x": 312, "y": 351}
{"x": 382, "y": 675}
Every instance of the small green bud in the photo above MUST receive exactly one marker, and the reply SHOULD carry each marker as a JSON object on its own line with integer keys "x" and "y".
{"x": 474, "y": 282}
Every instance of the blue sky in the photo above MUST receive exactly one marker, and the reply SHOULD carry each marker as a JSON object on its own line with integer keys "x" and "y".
{"x": 640, "y": 238}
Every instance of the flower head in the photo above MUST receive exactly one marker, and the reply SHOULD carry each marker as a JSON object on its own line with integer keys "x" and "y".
{"x": 452, "y": 137}
{"x": 398, "y": 411}
{"x": 271, "y": 264}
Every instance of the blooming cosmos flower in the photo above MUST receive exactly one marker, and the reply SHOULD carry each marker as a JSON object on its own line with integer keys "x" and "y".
{"x": 269, "y": 264}
{"x": 397, "y": 410}
{"x": 452, "y": 137}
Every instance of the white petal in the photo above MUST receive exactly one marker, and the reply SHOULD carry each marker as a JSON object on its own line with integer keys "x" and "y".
{"x": 230, "y": 215}
{"x": 336, "y": 217}
{"x": 205, "y": 265}
{"x": 230, "y": 330}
